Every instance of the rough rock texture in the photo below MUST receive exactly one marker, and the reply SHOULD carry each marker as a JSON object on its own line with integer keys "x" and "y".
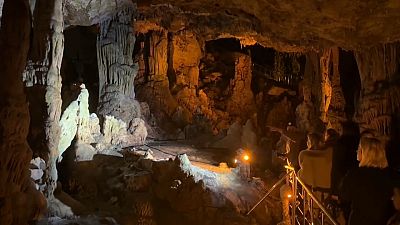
{"x": 284, "y": 25}
{"x": 20, "y": 203}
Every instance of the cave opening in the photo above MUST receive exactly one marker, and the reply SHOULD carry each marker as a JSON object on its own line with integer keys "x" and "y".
{"x": 79, "y": 65}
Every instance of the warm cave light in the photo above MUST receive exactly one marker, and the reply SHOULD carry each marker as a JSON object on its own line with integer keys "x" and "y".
{"x": 246, "y": 157}
{"x": 235, "y": 160}
{"x": 289, "y": 195}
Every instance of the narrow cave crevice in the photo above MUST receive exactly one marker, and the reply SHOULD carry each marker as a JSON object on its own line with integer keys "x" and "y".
{"x": 80, "y": 65}
{"x": 350, "y": 81}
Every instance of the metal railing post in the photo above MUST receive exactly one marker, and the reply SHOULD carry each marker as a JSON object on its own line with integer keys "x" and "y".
{"x": 294, "y": 197}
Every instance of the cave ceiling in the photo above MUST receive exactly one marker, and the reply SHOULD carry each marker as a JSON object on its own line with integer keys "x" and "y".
{"x": 285, "y": 25}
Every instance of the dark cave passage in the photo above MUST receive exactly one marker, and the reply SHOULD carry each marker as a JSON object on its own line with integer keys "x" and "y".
{"x": 80, "y": 65}
{"x": 350, "y": 81}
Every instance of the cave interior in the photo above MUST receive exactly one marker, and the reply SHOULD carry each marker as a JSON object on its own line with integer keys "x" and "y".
{"x": 132, "y": 112}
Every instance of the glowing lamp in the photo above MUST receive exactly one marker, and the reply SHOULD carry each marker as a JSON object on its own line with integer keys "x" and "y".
{"x": 246, "y": 157}
{"x": 289, "y": 195}
{"x": 235, "y": 160}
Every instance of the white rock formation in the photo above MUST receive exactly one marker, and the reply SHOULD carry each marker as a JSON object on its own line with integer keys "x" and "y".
{"x": 69, "y": 126}
{"x": 84, "y": 133}
{"x": 38, "y": 166}
{"x": 77, "y": 122}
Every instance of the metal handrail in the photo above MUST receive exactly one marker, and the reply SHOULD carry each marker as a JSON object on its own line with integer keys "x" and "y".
{"x": 291, "y": 172}
{"x": 309, "y": 193}
{"x": 268, "y": 193}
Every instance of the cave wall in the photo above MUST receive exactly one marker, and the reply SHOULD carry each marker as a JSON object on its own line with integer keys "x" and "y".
{"x": 196, "y": 88}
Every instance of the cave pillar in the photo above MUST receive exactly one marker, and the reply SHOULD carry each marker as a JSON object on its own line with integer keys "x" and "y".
{"x": 14, "y": 114}
{"x": 380, "y": 95}
{"x": 336, "y": 109}
{"x": 156, "y": 76}
{"x": 241, "y": 102}
{"x": 43, "y": 72}
{"x": 117, "y": 71}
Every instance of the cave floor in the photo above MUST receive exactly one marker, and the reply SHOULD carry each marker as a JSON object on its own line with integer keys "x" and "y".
{"x": 163, "y": 150}
{"x": 165, "y": 182}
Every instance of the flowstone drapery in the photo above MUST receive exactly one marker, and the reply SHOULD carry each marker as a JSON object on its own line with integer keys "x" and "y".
{"x": 380, "y": 95}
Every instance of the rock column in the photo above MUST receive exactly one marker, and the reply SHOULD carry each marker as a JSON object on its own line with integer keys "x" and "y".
{"x": 43, "y": 71}
{"x": 117, "y": 71}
